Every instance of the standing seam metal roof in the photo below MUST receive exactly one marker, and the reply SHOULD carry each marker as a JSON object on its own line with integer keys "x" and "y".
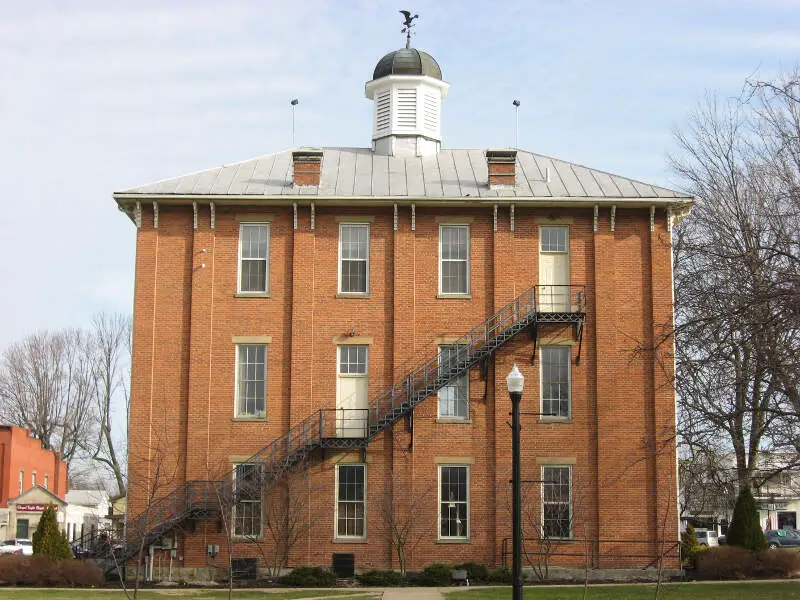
{"x": 359, "y": 172}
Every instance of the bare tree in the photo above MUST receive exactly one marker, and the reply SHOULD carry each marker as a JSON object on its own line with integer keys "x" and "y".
{"x": 735, "y": 257}
{"x": 46, "y": 387}
{"x": 110, "y": 353}
{"x": 401, "y": 515}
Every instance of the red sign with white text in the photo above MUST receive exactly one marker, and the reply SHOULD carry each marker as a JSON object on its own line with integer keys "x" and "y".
{"x": 33, "y": 507}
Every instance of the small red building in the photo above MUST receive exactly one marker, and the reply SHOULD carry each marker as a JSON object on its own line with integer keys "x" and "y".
{"x": 24, "y": 464}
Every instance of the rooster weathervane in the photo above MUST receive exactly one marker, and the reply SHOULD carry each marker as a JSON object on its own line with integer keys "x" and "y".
{"x": 407, "y": 25}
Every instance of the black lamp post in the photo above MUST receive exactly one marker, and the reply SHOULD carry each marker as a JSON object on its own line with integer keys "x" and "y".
{"x": 516, "y": 382}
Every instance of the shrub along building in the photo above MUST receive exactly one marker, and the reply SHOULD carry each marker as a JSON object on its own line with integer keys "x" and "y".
{"x": 339, "y": 322}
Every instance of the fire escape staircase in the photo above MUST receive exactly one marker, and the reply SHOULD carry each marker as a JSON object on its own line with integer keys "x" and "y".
{"x": 338, "y": 428}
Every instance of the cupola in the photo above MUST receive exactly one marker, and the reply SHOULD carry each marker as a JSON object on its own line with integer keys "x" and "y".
{"x": 407, "y": 92}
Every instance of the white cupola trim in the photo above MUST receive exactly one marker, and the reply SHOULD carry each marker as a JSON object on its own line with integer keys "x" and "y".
{"x": 406, "y": 114}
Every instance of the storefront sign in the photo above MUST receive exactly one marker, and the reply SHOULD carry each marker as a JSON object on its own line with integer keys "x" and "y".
{"x": 33, "y": 507}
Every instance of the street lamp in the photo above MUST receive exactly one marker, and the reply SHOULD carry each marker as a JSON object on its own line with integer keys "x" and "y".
{"x": 516, "y": 382}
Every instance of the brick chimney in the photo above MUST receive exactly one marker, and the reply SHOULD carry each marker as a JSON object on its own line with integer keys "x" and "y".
{"x": 502, "y": 167}
{"x": 307, "y": 166}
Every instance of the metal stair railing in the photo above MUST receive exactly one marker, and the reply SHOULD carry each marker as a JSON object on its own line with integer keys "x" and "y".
{"x": 333, "y": 428}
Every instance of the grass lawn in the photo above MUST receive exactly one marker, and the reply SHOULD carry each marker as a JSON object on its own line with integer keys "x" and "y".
{"x": 170, "y": 594}
{"x": 744, "y": 590}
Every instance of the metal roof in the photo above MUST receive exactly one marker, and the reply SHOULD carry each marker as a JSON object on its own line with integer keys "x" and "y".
{"x": 451, "y": 174}
{"x": 407, "y": 61}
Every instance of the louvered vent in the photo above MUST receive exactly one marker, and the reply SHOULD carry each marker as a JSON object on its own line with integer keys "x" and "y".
{"x": 406, "y": 108}
{"x": 431, "y": 113}
{"x": 383, "y": 112}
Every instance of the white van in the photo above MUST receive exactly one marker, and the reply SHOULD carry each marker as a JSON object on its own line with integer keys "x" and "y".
{"x": 707, "y": 537}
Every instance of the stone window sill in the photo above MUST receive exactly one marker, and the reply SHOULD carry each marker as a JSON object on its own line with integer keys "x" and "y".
{"x": 545, "y": 420}
{"x": 454, "y": 421}
{"x": 249, "y": 419}
{"x": 454, "y": 296}
{"x": 359, "y": 295}
{"x": 454, "y": 541}
{"x": 252, "y": 295}
{"x": 349, "y": 540}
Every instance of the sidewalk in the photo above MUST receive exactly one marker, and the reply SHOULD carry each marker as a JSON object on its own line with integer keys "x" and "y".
{"x": 414, "y": 593}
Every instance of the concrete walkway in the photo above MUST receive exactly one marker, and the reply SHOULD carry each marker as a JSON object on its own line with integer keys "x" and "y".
{"x": 414, "y": 593}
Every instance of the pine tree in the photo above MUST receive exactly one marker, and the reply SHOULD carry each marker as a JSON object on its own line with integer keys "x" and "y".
{"x": 689, "y": 544}
{"x": 745, "y": 530}
{"x": 48, "y": 539}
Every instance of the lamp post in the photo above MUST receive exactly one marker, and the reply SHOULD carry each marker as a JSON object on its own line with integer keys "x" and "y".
{"x": 516, "y": 382}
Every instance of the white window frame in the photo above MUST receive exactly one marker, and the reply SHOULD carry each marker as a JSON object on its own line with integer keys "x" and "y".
{"x": 236, "y": 413}
{"x": 21, "y": 480}
{"x": 542, "y": 350}
{"x": 463, "y": 380}
{"x": 569, "y": 499}
{"x": 242, "y": 227}
{"x": 564, "y": 228}
{"x": 260, "y": 533}
{"x": 443, "y": 226}
{"x": 340, "y": 349}
{"x": 439, "y": 504}
{"x": 336, "y": 533}
{"x": 340, "y": 260}
{"x": 33, "y": 479}
{"x": 46, "y": 481}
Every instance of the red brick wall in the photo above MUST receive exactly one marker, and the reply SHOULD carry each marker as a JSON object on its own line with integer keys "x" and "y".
{"x": 18, "y": 450}
{"x": 620, "y": 435}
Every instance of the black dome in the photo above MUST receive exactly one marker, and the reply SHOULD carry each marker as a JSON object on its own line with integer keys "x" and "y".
{"x": 407, "y": 61}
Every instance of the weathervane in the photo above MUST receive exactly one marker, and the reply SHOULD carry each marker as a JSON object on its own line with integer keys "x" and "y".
{"x": 408, "y": 24}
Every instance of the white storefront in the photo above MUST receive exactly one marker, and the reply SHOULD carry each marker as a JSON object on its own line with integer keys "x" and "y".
{"x": 25, "y": 510}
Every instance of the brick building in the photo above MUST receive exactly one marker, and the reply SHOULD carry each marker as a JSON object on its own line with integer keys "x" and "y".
{"x": 299, "y": 324}
{"x": 24, "y": 466}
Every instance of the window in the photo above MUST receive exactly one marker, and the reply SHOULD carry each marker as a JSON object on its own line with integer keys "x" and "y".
{"x": 353, "y": 258}
{"x": 453, "y": 502}
{"x": 556, "y": 502}
{"x": 247, "y": 507}
{"x": 555, "y": 363}
{"x": 251, "y": 380}
{"x": 21, "y": 480}
{"x": 454, "y": 259}
{"x": 253, "y": 257}
{"x": 554, "y": 239}
{"x": 352, "y": 359}
{"x": 454, "y": 397}
{"x": 46, "y": 482}
{"x": 350, "y": 513}
{"x": 33, "y": 479}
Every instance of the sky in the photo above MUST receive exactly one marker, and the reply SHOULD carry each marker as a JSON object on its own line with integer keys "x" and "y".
{"x": 97, "y": 97}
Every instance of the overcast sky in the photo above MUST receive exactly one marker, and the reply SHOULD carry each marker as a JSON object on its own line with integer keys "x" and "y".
{"x": 101, "y": 96}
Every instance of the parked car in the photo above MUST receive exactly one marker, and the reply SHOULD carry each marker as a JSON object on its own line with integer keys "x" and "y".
{"x": 707, "y": 537}
{"x": 17, "y": 546}
{"x": 782, "y": 538}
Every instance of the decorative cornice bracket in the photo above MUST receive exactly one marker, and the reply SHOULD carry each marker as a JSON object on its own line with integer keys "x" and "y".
{"x": 394, "y": 222}
{"x": 313, "y": 216}
{"x": 652, "y": 218}
{"x": 194, "y": 209}
{"x": 494, "y": 226}
{"x": 294, "y": 216}
{"x": 613, "y": 216}
{"x": 413, "y": 217}
{"x": 511, "y": 216}
{"x": 213, "y": 212}
{"x": 137, "y": 215}
{"x": 155, "y": 214}
{"x": 596, "y": 214}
